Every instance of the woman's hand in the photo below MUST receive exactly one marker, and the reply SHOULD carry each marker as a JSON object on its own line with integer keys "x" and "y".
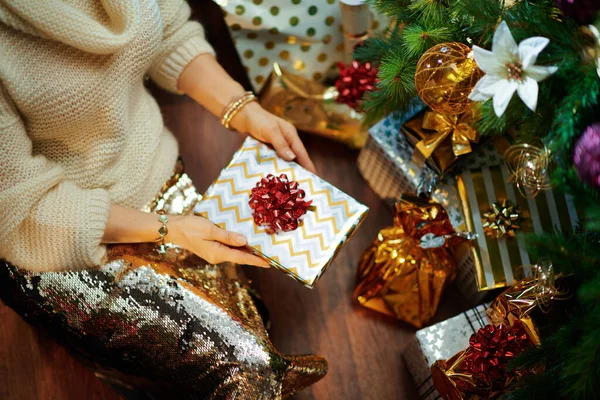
{"x": 208, "y": 241}
{"x": 205, "y": 81}
{"x": 266, "y": 127}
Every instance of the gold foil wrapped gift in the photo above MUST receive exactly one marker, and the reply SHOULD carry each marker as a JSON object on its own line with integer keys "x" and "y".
{"x": 303, "y": 253}
{"x": 311, "y": 107}
{"x": 440, "y": 139}
{"x": 408, "y": 266}
{"x": 532, "y": 303}
{"x": 520, "y": 311}
{"x": 480, "y": 371}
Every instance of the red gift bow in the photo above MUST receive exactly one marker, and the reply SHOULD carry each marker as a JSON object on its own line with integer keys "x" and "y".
{"x": 491, "y": 348}
{"x": 278, "y": 203}
{"x": 355, "y": 79}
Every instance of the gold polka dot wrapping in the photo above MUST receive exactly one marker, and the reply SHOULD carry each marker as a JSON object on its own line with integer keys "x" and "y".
{"x": 445, "y": 76}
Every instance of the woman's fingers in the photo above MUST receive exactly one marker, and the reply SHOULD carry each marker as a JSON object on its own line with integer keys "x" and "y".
{"x": 227, "y": 237}
{"x": 280, "y": 144}
{"x": 291, "y": 137}
{"x": 236, "y": 256}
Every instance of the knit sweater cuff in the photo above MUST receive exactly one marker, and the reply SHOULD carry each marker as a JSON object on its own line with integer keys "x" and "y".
{"x": 168, "y": 73}
{"x": 96, "y": 213}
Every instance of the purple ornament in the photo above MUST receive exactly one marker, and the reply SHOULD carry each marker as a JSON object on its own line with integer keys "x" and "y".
{"x": 582, "y": 11}
{"x": 587, "y": 155}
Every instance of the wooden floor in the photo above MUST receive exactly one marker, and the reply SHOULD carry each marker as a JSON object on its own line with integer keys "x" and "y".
{"x": 363, "y": 348}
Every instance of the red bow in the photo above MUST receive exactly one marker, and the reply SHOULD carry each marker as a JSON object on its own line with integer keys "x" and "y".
{"x": 354, "y": 81}
{"x": 278, "y": 203}
{"x": 491, "y": 348}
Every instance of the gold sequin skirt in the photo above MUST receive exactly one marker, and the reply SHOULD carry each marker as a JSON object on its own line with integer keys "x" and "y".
{"x": 161, "y": 319}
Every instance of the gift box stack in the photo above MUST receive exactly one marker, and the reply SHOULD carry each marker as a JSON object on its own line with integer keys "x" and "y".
{"x": 477, "y": 184}
{"x": 467, "y": 356}
{"x": 299, "y": 57}
{"x": 439, "y": 342}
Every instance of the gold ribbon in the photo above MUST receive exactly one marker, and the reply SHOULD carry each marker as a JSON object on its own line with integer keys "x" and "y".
{"x": 457, "y": 126}
{"x": 298, "y": 85}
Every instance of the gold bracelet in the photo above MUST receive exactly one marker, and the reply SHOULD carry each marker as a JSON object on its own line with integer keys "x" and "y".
{"x": 163, "y": 231}
{"x": 235, "y": 106}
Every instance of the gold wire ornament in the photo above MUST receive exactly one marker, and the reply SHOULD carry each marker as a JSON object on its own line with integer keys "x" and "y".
{"x": 529, "y": 167}
{"x": 548, "y": 288}
{"x": 445, "y": 76}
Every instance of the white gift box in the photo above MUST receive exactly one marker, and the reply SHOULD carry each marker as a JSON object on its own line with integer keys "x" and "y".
{"x": 440, "y": 342}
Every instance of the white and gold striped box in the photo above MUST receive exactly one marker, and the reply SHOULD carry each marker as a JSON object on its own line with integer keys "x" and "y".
{"x": 492, "y": 263}
{"x": 304, "y": 253}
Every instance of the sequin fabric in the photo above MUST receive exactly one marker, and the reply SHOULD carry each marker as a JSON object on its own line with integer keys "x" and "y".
{"x": 161, "y": 320}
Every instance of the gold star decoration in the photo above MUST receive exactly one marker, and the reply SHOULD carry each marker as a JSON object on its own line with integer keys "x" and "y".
{"x": 501, "y": 220}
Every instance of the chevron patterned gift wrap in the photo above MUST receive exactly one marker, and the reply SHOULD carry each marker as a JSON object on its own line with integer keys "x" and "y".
{"x": 304, "y": 253}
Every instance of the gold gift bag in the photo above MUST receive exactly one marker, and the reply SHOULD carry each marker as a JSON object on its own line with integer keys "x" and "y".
{"x": 408, "y": 266}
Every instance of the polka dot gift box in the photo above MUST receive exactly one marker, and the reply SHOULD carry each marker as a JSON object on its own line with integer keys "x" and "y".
{"x": 305, "y": 36}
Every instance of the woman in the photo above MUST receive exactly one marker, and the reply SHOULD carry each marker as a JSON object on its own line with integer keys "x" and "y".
{"x": 86, "y": 163}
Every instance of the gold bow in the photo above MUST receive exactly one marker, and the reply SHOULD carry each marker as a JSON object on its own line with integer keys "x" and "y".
{"x": 459, "y": 126}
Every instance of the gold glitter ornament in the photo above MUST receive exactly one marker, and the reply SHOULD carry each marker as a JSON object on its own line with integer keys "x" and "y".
{"x": 501, "y": 220}
{"x": 445, "y": 76}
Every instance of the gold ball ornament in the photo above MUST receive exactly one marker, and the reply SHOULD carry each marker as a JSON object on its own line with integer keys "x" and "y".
{"x": 445, "y": 76}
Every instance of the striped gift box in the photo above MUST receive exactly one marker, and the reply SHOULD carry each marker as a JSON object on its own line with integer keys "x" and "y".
{"x": 440, "y": 341}
{"x": 304, "y": 253}
{"x": 495, "y": 261}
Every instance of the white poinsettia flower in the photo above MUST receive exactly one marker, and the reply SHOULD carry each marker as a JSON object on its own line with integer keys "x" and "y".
{"x": 510, "y": 68}
{"x": 596, "y": 35}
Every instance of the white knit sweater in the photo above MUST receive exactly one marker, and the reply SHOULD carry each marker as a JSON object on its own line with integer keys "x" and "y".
{"x": 78, "y": 130}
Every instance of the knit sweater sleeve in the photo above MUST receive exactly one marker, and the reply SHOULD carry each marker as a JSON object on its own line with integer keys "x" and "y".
{"x": 47, "y": 223}
{"x": 183, "y": 40}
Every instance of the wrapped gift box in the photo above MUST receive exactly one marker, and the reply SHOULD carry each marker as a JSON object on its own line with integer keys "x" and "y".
{"x": 303, "y": 253}
{"x": 492, "y": 263}
{"x": 440, "y": 341}
{"x": 442, "y": 135}
{"x": 304, "y": 36}
{"x": 386, "y": 159}
{"x": 386, "y": 163}
{"x": 311, "y": 107}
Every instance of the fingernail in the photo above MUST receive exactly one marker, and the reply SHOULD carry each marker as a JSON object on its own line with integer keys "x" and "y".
{"x": 241, "y": 240}
{"x": 290, "y": 154}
